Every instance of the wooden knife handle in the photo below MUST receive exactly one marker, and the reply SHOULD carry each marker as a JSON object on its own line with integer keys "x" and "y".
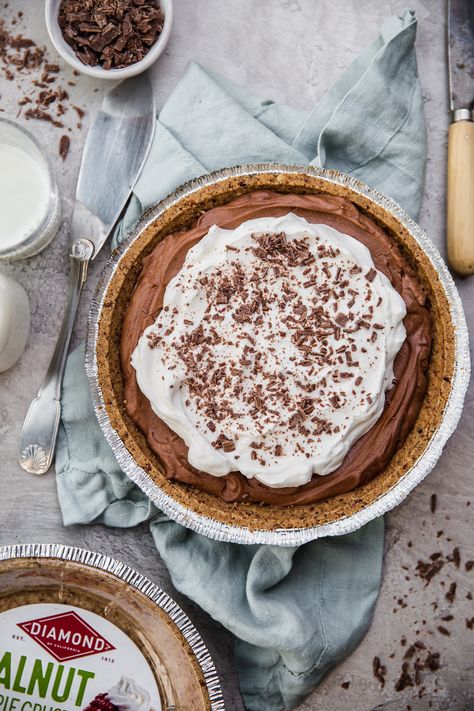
{"x": 460, "y": 208}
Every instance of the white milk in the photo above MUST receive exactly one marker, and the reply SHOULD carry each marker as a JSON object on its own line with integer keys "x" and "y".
{"x": 24, "y": 195}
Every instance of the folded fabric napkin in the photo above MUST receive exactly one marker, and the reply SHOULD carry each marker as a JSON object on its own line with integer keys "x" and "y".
{"x": 295, "y": 611}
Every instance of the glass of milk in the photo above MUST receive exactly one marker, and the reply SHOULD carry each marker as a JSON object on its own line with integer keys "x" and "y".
{"x": 29, "y": 201}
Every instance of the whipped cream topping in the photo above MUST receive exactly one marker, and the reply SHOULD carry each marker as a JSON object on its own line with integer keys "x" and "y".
{"x": 128, "y": 696}
{"x": 273, "y": 350}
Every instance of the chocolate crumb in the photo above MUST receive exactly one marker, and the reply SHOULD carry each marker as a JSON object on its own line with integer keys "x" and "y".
{"x": 432, "y": 661}
{"x": 64, "y": 146}
{"x": 433, "y": 503}
{"x": 451, "y": 594}
{"x": 379, "y": 671}
{"x": 455, "y": 557}
{"x": 41, "y": 115}
{"x": 405, "y": 679}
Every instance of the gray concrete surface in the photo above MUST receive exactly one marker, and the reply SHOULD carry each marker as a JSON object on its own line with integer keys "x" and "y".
{"x": 291, "y": 51}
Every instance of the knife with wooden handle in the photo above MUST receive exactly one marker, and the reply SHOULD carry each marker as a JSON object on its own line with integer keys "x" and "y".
{"x": 460, "y": 197}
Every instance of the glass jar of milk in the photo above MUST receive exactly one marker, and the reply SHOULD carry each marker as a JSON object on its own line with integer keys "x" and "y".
{"x": 29, "y": 201}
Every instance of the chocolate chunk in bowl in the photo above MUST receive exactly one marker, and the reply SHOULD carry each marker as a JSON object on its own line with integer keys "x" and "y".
{"x": 82, "y": 630}
{"x": 221, "y": 509}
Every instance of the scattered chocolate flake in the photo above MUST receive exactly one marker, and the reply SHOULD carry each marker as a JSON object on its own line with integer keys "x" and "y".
{"x": 412, "y": 649}
{"x": 405, "y": 679}
{"x": 109, "y": 33}
{"x": 64, "y": 146}
{"x": 455, "y": 557}
{"x": 426, "y": 570}
{"x": 345, "y": 684}
{"x": 443, "y": 630}
{"x": 153, "y": 340}
{"x": 21, "y": 59}
{"x": 433, "y": 503}
{"x": 470, "y": 623}
{"x": 341, "y": 319}
{"x": 469, "y": 565}
{"x": 451, "y": 594}
{"x": 224, "y": 443}
{"x": 432, "y": 661}
{"x": 371, "y": 274}
{"x": 379, "y": 671}
{"x": 41, "y": 115}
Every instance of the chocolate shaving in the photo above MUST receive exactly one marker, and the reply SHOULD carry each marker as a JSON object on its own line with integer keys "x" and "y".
{"x": 37, "y": 113}
{"x": 455, "y": 557}
{"x": 21, "y": 59}
{"x": 379, "y": 671}
{"x": 405, "y": 679}
{"x": 64, "y": 146}
{"x": 224, "y": 443}
{"x": 451, "y": 594}
{"x": 428, "y": 569}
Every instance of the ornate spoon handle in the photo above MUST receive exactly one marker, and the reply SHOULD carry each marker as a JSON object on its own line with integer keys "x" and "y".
{"x": 40, "y": 428}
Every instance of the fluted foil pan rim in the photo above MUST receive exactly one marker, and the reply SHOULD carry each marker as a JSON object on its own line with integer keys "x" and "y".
{"x": 133, "y": 578}
{"x": 219, "y": 530}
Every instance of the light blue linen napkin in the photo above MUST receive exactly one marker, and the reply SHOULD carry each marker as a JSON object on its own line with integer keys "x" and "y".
{"x": 295, "y": 611}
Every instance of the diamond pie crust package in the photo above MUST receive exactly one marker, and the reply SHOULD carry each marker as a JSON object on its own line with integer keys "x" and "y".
{"x": 81, "y": 631}
{"x": 383, "y": 465}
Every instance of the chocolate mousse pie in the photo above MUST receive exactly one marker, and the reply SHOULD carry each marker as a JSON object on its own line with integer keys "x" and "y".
{"x": 276, "y": 352}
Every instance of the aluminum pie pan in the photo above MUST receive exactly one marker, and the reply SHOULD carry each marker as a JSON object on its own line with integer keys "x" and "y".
{"x": 207, "y": 679}
{"x": 293, "y": 536}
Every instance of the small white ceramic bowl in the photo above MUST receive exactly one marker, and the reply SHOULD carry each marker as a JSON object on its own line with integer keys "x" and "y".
{"x": 51, "y": 15}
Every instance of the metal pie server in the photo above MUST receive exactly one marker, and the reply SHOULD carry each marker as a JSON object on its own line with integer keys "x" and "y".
{"x": 460, "y": 202}
{"x": 116, "y": 147}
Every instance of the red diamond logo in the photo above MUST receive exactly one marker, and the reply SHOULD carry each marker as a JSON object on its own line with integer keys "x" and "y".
{"x": 66, "y": 636}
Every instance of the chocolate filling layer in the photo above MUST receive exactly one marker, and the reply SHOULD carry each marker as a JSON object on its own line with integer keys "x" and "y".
{"x": 370, "y": 454}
